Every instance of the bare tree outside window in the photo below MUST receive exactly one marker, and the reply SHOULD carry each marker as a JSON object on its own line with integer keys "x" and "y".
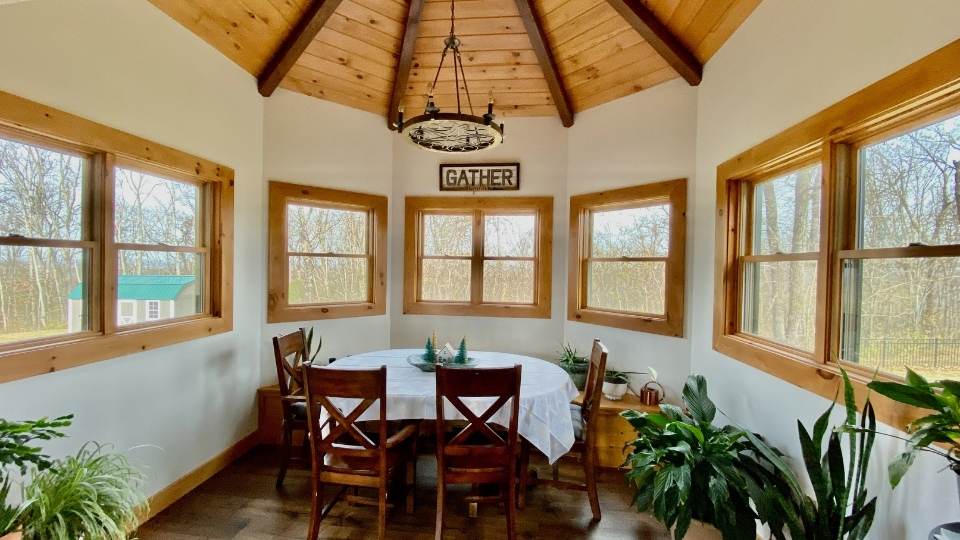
{"x": 41, "y": 198}
{"x": 328, "y": 255}
{"x": 901, "y": 303}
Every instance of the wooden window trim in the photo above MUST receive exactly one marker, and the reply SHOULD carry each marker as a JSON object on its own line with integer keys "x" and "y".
{"x": 542, "y": 207}
{"x": 278, "y": 309}
{"x": 671, "y": 322}
{"x": 42, "y": 124}
{"x": 912, "y": 95}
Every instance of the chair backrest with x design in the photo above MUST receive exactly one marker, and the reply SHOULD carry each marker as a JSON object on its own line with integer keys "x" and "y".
{"x": 337, "y": 431}
{"x": 592, "y": 390}
{"x": 477, "y": 446}
{"x": 290, "y": 352}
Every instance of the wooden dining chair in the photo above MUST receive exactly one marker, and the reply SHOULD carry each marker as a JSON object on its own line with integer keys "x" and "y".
{"x": 290, "y": 352}
{"x": 481, "y": 452}
{"x": 344, "y": 454}
{"x": 584, "y": 417}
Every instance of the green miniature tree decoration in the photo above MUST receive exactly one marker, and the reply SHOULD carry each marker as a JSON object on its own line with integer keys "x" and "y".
{"x": 430, "y": 352}
{"x": 462, "y": 352}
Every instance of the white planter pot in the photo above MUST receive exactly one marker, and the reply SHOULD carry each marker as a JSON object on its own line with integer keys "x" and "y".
{"x": 614, "y": 392}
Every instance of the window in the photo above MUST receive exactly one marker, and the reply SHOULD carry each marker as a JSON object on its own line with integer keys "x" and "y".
{"x": 94, "y": 225}
{"x": 327, "y": 253}
{"x": 478, "y": 256}
{"x": 900, "y": 284}
{"x": 627, "y": 258}
{"x": 838, "y": 240}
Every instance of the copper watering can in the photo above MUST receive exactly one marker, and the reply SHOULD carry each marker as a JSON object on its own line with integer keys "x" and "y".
{"x": 652, "y": 394}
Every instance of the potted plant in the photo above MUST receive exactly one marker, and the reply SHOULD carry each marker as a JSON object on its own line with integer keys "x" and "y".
{"x": 615, "y": 384}
{"x": 685, "y": 468}
{"x": 575, "y": 365}
{"x": 941, "y": 427}
{"x": 18, "y": 452}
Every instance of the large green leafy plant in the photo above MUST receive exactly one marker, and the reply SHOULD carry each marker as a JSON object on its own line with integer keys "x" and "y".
{"x": 839, "y": 508}
{"x": 684, "y": 467}
{"x": 942, "y": 426}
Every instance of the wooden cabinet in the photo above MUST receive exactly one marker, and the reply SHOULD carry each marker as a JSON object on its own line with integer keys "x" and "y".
{"x": 613, "y": 432}
{"x": 269, "y": 417}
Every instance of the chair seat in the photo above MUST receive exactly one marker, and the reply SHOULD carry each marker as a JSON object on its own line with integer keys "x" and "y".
{"x": 576, "y": 414}
{"x": 299, "y": 410}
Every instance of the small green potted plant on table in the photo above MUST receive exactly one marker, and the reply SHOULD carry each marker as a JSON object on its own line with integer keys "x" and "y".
{"x": 575, "y": 365}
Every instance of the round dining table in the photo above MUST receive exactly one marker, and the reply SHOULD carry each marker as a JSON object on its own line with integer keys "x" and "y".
{"x": 545, "y": 394}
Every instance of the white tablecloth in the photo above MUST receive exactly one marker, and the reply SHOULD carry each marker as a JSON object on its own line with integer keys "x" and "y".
{"x": 545, "y": 394}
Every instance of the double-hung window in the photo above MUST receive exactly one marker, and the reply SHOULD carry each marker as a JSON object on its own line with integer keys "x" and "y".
{"x": 478, "y": 256}
{"x": 627, "y": 257}
{"x": 838, "y": 240}
{"x": 327, "y": 253}
{"x": 109, "y": 243}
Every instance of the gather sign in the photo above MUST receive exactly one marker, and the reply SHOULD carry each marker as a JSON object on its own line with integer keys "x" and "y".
{"x": 480, "y": 177}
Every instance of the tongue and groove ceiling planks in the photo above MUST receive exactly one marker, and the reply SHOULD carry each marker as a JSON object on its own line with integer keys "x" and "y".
{"x": 594, "y": 51}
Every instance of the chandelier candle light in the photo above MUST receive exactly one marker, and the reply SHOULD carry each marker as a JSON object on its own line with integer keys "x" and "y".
{"x": 449, "y": 132}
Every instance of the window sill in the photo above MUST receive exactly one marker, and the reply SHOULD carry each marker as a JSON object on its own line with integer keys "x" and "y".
{"x": 482, "y": 310}
{"x": 322, "y": 312}
{"x": 63, "y": 354}
{"x": 822, "y": 379}
{"x": 638, "y": 323}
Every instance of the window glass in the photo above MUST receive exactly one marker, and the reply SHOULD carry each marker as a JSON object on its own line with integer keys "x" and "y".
{"x": 787, "y": 213}
{"x": 146, "y": 276}
{"x": 328, "y": 280}
{"x": 909, "y": 188}
{"x": 780, "y": 302}
{"x": 636, "y": 286}
{"x": 445, "y": 280}
{"x": 41, "y": 196}
{"x": 315, "y": 229}
{"x": 149, "y": 209}
{"x": 508, "y": 282}
{"x": 509, "y": 236}
{"x": 446, "y": 235}
{"x": 631, "y": 232}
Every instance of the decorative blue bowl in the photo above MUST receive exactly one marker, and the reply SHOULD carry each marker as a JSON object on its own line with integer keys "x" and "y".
{"x": 417, "y": 361}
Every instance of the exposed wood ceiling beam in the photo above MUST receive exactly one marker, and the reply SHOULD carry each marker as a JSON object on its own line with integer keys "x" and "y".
{"x": 294, "y": 44}
{"x": 547, "y": 63}
{"x": 661, "y": 39}
{"x": 402, "y": 75}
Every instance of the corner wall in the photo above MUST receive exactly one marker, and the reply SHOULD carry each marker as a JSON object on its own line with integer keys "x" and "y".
{"x": 127, "y": 65}
{"x": 789, "y": 60}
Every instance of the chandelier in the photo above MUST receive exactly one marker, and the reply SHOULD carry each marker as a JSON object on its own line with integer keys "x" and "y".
{"x": 451, "y": 132}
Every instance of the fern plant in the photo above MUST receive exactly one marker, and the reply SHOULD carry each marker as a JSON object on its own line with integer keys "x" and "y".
{"x": 94, "y": 495}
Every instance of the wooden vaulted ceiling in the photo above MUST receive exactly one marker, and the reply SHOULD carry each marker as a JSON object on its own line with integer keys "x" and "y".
{"x": 537, "y": 57}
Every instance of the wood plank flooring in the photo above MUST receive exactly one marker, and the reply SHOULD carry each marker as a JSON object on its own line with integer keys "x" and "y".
{"x": 241, "y": 503}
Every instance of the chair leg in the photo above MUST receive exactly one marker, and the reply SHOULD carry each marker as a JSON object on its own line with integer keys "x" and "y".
{"x": 382, "y": 512}
{"x": 411, "y": 480}
{"x": 590, "y": 472}
{"x": 316, "y": 511}
{"x": 524, "y": 474}
{"x": 511, "y": 506}
{"x": 441, "y": 502}
{"x": 285, "y": 447}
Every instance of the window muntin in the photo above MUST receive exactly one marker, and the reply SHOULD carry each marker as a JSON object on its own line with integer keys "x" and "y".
{"x": 478, "y": 256}
{"x": 626, "y": 269}
{"x": 160, "y": 244}
{"x": 45, "y": 253}
{"x": 900, "y": 285}
{"x": 328, "y": 254}
{"x": 778, "y": 291}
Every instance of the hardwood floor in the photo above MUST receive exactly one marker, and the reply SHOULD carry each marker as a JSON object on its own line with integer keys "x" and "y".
{"x": 241, "y": 502}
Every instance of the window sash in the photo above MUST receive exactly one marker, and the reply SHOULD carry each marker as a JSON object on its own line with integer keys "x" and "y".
{"x": 477, "y": 257}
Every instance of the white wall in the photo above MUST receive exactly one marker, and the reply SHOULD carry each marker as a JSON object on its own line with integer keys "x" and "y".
{"x": 643, "y": 138}
{"x": 320, "y": 143}
{"x": 127, "y": 65}
{"x": 789, "y": 60}
{"x": 540, "y": 145}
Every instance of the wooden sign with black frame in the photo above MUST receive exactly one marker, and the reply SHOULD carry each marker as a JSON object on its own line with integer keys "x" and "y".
{"x": 480, "y": 177}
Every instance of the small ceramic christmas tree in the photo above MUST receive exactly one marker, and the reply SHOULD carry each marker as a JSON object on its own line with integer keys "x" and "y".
{"x": 462, "y": 352}
{"x": 430, "y": 352}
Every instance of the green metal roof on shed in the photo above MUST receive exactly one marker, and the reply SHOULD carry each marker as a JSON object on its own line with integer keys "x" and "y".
{"x": 145, "y": 287}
